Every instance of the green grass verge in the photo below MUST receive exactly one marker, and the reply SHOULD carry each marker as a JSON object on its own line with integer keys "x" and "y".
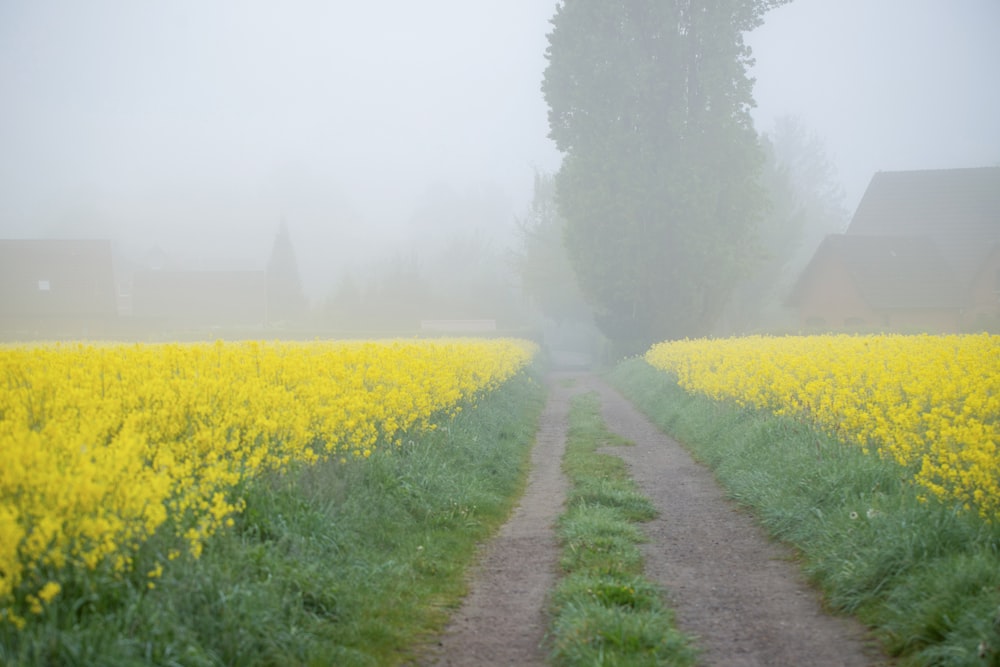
{"x": 330, "y": 564}
{"x": 603, "y": 611}
{"x": 923, "y": 575}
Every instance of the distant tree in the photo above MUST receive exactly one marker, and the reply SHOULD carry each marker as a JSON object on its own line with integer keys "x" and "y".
{"x": 471, "y": 279}
{"x": 805, "y": 204}
{"x": 813, "y": 179}
{"x": 344, "y": 306}
{"x": 403, "y": 293}
{"x": 542, "y": 263}
{"x": 460, "y": 235}
{"x": 286, "y": 302}
{"x": 450, "y": 266}
{"x": 649, "y": 103}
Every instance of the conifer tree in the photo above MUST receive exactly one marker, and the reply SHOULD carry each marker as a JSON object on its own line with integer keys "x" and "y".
{"x": 286, "y": 301}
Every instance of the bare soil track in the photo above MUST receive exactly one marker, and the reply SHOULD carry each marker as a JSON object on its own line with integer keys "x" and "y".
{"x": 735, "y": 590}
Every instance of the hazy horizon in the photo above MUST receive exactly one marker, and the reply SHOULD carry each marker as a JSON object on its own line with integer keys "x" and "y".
{"x": 199, "y": 127}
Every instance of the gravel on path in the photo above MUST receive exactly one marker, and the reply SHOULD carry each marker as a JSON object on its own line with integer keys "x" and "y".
{"x": 738, "y": 592}
{"x": 734, "y": 588}
{"x": 503, "y": 620}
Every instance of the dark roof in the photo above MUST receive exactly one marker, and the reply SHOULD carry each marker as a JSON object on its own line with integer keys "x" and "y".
{"x": 888, "y": 271}
{"x": 959, "y": 209}
{"x": 56, "y": 278}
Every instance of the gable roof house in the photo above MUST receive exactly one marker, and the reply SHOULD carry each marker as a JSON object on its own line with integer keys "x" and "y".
{"x": 922, "y": 253}
{"x": 56, "y": 289}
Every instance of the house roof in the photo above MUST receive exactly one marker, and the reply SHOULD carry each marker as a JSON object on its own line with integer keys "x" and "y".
{"x": 958, "y": 209}
{"x": 888, "y": 271}
{"x": 56, "y": 278}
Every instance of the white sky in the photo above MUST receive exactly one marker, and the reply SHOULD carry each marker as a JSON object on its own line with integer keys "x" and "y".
{"x": 886, "y": 84}
{"x": 159, "y": 122}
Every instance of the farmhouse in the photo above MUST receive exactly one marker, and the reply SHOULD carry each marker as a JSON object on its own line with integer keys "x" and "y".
{"x": 56, "y": 289}
{"x": 922, "y": 253}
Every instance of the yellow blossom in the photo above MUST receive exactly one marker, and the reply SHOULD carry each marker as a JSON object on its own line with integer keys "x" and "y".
{"x": 106, "y": 444}
{"x": 930, "y": 403}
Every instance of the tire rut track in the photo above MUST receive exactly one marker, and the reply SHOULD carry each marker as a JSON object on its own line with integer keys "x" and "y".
{"x": 731, "y": 587}
{"x": 503, "y": 620}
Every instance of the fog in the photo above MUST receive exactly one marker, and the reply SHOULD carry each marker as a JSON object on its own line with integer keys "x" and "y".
{"x": 887, "y": 85}
{"x": 197, "y": 127}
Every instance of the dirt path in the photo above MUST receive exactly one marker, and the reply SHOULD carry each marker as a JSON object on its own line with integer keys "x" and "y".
{"x": 502, "y": 621}
{"x": 734, "y": 589}
{"x": 730, "y": 585}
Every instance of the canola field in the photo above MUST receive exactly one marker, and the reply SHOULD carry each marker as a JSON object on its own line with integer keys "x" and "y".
{"x": 104, "y": 445}
{"x": 931, "y": 403}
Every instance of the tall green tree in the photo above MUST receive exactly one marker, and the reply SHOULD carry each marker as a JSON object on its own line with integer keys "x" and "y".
{"x": 649, "y": 103}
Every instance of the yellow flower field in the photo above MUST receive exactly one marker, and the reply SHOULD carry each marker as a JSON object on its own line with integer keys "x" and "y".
{"x": 103, "y": 445}
{"x": 931, "y": 403}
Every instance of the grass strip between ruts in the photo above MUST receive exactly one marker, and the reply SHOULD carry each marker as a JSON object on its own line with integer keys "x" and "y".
{"x": 604, "y": 612}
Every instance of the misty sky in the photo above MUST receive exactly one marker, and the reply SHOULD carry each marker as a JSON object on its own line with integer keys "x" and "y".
{"x": 197, "y": 125}
{"x": 886, "y": 84}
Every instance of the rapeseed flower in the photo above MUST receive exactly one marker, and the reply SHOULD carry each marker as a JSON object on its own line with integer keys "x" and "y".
{"x": 105, "y": 445}
{"x": 930, "y": 403}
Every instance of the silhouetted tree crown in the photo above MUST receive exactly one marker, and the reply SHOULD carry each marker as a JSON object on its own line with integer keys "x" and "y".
{"x": 649, "y": 102}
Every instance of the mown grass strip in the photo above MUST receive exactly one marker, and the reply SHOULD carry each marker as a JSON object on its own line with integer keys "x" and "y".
{"x": 328, "y": 565}
{"x": 924, "y": 575}
{"x": 604, "y": 612}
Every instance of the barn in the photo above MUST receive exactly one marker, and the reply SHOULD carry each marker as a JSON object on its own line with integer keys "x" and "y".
{"x": 52, "y": 289}
{"x": 922, "y": 253}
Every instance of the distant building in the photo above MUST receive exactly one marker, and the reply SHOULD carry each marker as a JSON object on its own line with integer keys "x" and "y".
{"x": 56, "y": 289}
{"x": 183, "y": 300}
{"x": 922, "y": 252}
